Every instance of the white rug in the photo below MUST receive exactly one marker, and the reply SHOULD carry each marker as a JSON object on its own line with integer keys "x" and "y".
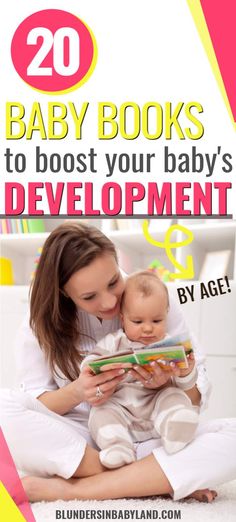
{"x": 223, "y": 509}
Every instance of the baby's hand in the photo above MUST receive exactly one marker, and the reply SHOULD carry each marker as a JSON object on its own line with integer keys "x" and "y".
{"x": 191, "y": 362}
{"x": 186, "y": 379}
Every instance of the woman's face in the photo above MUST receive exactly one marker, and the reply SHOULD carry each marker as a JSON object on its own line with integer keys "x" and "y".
{"x": 97, "y": 288}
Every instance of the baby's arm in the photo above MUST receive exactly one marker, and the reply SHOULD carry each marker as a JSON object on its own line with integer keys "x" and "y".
{"x": 186, "y": 380}
{"x": 191, "y": 364}
{"x": 107, "y": 346}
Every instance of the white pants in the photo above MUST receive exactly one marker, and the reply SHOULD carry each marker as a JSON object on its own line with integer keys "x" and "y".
{"x": 44, "y": 443}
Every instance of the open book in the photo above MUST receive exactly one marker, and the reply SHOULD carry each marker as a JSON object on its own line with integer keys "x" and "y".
{"x": 172, "y": 349}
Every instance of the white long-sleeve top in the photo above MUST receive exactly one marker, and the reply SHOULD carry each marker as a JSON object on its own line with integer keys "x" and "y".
{"x": 35, "y": 376}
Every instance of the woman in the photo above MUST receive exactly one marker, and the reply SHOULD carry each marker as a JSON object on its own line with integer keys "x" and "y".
{"x": 75, "y": 301}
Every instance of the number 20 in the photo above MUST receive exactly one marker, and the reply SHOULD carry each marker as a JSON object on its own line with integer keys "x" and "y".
{"x": 56, "y": 43}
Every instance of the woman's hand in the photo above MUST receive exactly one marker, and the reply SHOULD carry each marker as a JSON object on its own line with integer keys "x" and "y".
{"x": 88, "y": 384}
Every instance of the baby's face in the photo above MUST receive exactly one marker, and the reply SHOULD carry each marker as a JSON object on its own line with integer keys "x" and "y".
{"x": 144, "y": 318}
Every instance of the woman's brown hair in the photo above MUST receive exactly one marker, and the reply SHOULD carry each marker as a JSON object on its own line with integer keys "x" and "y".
{"x": 53, "y": 315}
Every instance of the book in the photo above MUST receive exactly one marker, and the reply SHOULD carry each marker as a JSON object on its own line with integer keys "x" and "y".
{"x": 164, "y": 352}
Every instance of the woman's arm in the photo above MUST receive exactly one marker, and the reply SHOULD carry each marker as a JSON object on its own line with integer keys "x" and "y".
{"x": 61, "y": 401}
{"x": 35, "y": 377}
{"x": 83, "y": 389}
{"x": 33, "y": 371}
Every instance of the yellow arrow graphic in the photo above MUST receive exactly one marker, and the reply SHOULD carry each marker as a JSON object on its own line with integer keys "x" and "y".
{"x": 184, "y": 272}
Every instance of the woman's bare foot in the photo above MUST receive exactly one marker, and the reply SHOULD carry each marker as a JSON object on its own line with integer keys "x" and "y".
{"x": 203, "y": 495}
{"x": 48, "y": 489}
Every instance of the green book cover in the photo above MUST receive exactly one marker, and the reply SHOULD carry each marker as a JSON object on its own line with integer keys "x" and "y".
{"x": 122, "y": 357}
{"x": 144, "y": 356}
{"x": 164, "y": 356}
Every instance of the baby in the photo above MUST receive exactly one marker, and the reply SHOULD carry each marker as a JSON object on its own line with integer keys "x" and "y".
{"x": 136, "y": 413}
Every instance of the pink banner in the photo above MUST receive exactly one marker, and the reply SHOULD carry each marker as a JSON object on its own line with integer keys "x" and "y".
{"x": 11, "y": 480}
{"x": 221, "y": 18}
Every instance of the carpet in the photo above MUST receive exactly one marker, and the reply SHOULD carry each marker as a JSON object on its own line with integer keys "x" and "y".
{"x": 223, "y": 509}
